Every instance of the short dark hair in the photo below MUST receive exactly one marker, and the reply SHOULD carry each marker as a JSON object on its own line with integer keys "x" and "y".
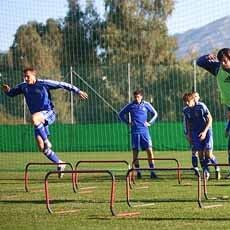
{"x": 138, "y": 92}
{"x": 225, "y": 52}
{"x": 31, "y": 69}
{"x": 187, "y": 97}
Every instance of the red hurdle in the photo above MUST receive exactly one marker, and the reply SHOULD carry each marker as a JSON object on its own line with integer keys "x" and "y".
{"x": 112, "y": 193}
{"x": 159, "y": 159}
{"x": 97, "y": 161}
{"x": 162, "y": 169}
{"x": 26, "y": 173}
{"x": 205, "y": 181}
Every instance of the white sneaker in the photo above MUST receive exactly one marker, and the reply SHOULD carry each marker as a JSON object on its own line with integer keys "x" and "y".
{"x": 61, "y": 168}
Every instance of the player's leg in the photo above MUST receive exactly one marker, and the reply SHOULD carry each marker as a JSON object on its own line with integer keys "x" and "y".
{"x": 151, "y": 162}
{"x": 136, "y": 147}
{"x": 38, "y": 120}
{"x": 195, "y": 159}
{"x": 50, "y": 154}
{"x": 47, "y": 118}
{"x": 204, "y": 163}
{"x": 213, "y": 160}
{"x": 47, "y": 152}
{"x": 136, "y": 162}
{"x": 146, "y": 144}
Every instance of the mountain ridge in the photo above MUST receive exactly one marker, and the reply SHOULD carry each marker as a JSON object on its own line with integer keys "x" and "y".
{"x": 203, "y": 40}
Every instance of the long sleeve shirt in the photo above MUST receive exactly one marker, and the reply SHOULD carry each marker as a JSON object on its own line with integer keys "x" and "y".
{"x": 138, "y": 115}
{"x": 37, "y": 96}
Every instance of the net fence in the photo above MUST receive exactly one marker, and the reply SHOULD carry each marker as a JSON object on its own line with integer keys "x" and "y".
{"x": 108, "y": 54}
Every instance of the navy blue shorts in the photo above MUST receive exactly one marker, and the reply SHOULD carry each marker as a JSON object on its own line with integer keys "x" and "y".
{"x": 206, "y": 144}
{"x": 141, "y": 141}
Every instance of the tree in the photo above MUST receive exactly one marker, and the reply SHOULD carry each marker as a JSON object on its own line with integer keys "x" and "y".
{"x": 40, "y": 46}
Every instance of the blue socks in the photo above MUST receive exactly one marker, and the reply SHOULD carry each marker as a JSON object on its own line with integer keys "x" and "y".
{"x": 194, "y": 161}
{"x": 51, "y": 156}
{"x": 41, "y": 131}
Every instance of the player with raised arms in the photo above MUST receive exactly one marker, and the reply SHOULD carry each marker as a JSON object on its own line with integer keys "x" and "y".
{"x": 219, "y": 66}
{"x": 38, "y": 99}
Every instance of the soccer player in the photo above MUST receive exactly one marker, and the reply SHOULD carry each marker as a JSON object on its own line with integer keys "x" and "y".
{"x": 38, "y": 99}
{"x": 212, "y": 159}
{"x": 198, "y": 131}
{"x": 141, "y": 139}
{"x": 219, "y": 66}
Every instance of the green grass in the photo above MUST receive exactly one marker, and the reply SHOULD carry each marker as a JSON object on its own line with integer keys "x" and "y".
{"x": 175, "y": 206}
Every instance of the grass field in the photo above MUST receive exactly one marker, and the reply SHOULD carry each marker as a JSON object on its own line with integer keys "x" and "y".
{"x": 175, "y": 206}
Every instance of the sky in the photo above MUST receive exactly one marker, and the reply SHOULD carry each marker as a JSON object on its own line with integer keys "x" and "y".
{"x": 188, "y": 14}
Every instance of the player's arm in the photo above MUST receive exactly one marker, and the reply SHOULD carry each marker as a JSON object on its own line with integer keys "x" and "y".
{"x": 123, "y": 114}
{"x": 210, "y": 63}
{"x": 203, "y": 134}
{"x": 11, "y": 91}
{"x": 187, "y": 129}
{"x": 153, "y": 112}
{"x": 51, "y": 84}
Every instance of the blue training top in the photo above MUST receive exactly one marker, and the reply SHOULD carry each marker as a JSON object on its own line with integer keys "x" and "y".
{"x": 37, "y": 95}
{"x": 139, "y": 115}
{"x": 196, "y": 118}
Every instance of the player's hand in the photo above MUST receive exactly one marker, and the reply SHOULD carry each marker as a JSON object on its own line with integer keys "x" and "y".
{"x": 83, "y": 95}
{"x": 202, "y": 136}
{"x": 146, "y": 124}
{"x": 212, "y": 57}
{"x": 5, "y": 88}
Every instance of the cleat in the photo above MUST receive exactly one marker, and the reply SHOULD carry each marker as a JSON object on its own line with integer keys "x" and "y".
{"x": 153, "y": 175}
{"x": 228, "y": 176}
{"x": 61, "y": 168}
{"x": 218, "y": 176}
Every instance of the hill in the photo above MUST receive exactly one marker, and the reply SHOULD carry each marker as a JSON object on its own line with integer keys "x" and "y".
{"x": 205, "y": 39}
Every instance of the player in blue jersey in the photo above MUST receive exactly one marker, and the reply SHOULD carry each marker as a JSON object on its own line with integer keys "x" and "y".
{"x": 38, "y": 99}
{"x": 141, "y": 139}
{"x": 198, "y": 131}
{"x": 219, "y": 66}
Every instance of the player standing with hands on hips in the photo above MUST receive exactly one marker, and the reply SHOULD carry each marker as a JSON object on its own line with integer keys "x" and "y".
{"x": 219, "y": 66}
{"x": 38, "y": 99}
{"x": 141, "y": 139}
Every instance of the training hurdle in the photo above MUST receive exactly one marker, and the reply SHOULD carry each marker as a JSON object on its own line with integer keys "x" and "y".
{"x": 158, "y": 159}
{"x": 76, "y": 178}
{"x": 205, "y": 185}
{"x": 93, "y": 171}
{"x": 112, "y": 193}
{"x": 130, "y": 171}
{"x": 26, "y": 173}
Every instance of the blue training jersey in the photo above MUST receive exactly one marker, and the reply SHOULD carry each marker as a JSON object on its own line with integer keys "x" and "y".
{"x": 195, "y": 118}
{"x": 212, "y": 66}
{"x": 37, "y": 95}
{"x": 139, "y": 115}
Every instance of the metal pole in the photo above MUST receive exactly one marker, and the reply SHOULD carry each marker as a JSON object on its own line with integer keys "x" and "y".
{"x": 129, "y": 84}
{"x": 194, "y": 75}
{"x": 71, "y": 95}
